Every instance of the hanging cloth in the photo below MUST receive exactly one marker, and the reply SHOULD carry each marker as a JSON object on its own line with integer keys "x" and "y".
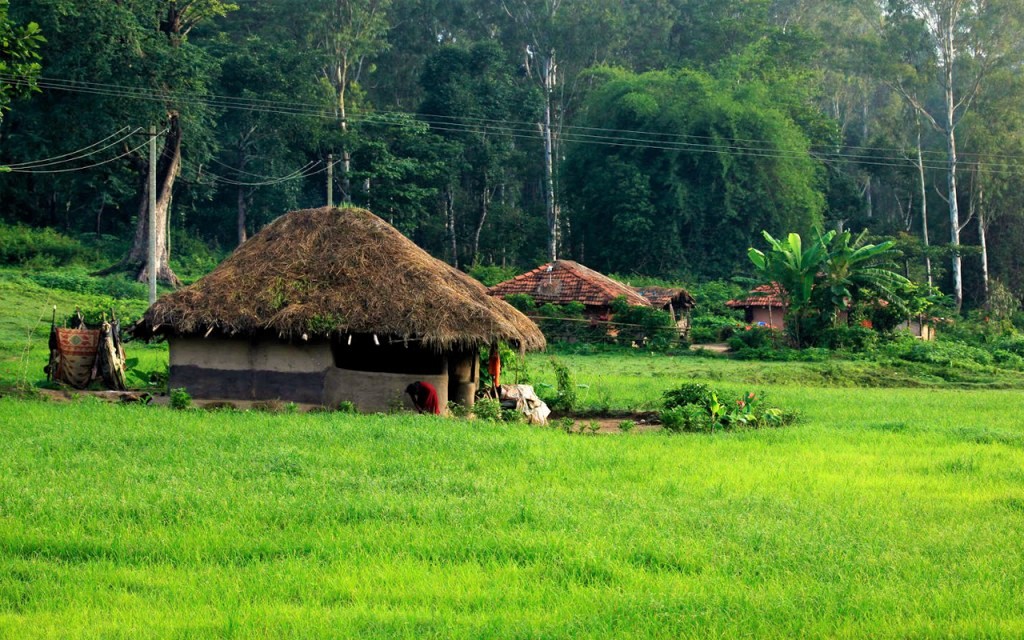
{"x": 494, "y": 367}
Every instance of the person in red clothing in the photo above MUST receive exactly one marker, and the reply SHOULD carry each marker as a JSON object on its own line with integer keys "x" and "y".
{"x": 424, "y": 397}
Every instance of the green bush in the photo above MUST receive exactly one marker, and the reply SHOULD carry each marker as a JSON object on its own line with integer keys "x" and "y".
{"x": 697, "y": 407}
{"x": 487, "y": 409}
{"x": 712, "y": 328}
{"x": 44, "y": 247}
{"x": 193, "y": 258}
{"x": 522, "y": 301}
{"x": 689, "y": 418}
{"x": 688, "y": 393}
{"x": 77, "y": 280}
{"x": 755, "y": 338}
{"x": 567, "y": 398}
{"x": 651, "y": 327}
{"x": 953, "y": 354}
{"x": 180, "y": 398}
{"x": 490, "y": 275}
{"x": 855, "y": 338}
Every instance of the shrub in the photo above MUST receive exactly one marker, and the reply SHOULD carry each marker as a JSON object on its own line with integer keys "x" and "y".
{"x": 696, "y": 407}
{"x": 487, "y": 409}
{"x": 626, "y": 426}
{"x": 512, "y": 416}
{"x": 855, "y": 338}
{"x": 490, "y": 275}
{"x": 457, "y": 410}
{"x": 347, "y": 406}
{"x": 653, "y": 327}
{"x": 689, "y": 417}
{"x": 712, "y": 328}
{"x": 689, "y": 393}
{"x": 755, "y": 338}
{"x": 44, "y": 247}
{"x": 180, "y": 398}
{"x": 567, "y": 398}
{"x": 521, "y": 301}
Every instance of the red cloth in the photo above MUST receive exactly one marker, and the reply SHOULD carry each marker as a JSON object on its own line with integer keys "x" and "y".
{"x": 494, "y": 367}
{"x": 424, "y": 396}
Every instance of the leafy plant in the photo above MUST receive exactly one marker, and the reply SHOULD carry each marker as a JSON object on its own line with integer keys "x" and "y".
{"x": 180, "y": 398}
{"x": 487, "y": 409}
{"x": 457, "y": 410}
{"x": 626, "y": 426}
{"x": 688, "y": 393}
{"x": 567, "y": 398}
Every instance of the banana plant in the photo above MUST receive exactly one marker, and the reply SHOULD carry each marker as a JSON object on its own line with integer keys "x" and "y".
{"x": 795, "y": 269}
{"x": 855, "y": 268}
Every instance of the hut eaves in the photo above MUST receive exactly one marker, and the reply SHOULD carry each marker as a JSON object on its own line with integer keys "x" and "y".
{"x": 329, "y": 271}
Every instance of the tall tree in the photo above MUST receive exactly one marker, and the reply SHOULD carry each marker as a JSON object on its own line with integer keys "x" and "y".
{"x": 957, "y": 45}
{"x": 181, "y": 73}
{"x": 347, "y": 34}
{"x": 19, "y": 58}
{"x": 473, "y": 99}
{"x": 684, "y": 191}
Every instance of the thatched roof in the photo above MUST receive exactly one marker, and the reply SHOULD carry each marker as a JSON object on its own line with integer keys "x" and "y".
{"x": 661, "y": 297}
{"x": 327, "y": 271}
{"x": 565, "y": 281}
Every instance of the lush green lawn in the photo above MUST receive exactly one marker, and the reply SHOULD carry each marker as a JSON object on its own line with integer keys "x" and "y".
{"x": 892, "y": 512}
{"x": 26, "y": 309}
{"x": 885, "y": 513}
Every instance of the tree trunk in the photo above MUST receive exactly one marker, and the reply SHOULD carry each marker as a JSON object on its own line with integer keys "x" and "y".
{"x": 243, "y": 211}
{"x": 948, "y": 50}
{"x": 924, "y": 204}
{"x": 548, "y": 80}
{"x": 485, "y": 201}
{"x": 954, "y": 211}
{"x": 982, "y": 236}
{"x": 449, "y": 214}
{"x": 168, "y": 165}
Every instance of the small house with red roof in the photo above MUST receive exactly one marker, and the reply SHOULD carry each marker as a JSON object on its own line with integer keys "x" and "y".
{"x": 763, "y": 307}
{"x": 564, "y": 282}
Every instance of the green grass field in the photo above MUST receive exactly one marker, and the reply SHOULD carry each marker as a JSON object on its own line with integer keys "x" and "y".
{"x": 885, "y": 512}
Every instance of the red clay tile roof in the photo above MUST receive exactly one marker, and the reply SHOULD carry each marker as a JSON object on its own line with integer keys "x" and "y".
{"x": 766, "y": 295}
{"x": 565, "y": 281}
{"x": 659, "y": 297}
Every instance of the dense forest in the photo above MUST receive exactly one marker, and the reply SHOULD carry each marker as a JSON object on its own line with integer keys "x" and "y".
{"x": 653, "y": 137}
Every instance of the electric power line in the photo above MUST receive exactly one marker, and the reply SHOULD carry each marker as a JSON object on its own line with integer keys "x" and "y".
{"x": 96, "y": 164}
{"x": 527, "y": 131}
{"x": 78, "y": 154}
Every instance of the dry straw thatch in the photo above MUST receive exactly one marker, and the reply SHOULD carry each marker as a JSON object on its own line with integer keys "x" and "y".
{"x": 328, "y": 271}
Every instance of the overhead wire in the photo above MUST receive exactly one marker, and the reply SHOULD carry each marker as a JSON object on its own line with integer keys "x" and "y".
{"x": 302, "y": 172}
{"x": 77, "y": 154}
{"x": 317, "y": 110}
{"x": 91, "y": 166}
{"x": 451, "y": 124}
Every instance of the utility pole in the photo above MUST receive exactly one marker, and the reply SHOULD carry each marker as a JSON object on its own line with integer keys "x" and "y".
{"x": 151, "y": 267}
{"x": 330, "y": 179}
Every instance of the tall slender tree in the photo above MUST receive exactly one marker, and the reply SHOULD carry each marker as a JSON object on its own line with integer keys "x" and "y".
{"x": 955, "y": 44}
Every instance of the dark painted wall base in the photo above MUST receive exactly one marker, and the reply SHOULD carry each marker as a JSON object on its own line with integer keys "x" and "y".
{"x": 204, "y": 383}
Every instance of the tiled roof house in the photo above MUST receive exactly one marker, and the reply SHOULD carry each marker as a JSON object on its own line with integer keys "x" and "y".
{"x": 763, "y": 307}
{"x": 565, "y": 281}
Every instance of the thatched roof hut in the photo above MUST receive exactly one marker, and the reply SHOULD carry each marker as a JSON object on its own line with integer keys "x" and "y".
{"x": 348, "y": 291}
